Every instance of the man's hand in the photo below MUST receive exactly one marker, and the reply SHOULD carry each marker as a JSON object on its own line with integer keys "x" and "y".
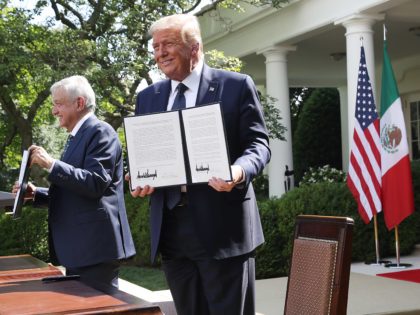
{"x": 139, "y": 191}
{"x": 41, "y": 157}
{"x": 30, "y": 190}
{"x": 219, "y": 184}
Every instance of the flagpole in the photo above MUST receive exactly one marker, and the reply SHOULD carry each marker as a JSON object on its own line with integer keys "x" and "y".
{"x": 365, "y": 167}
{"x": 384, "y": 32}
{"x": 397, "y": 265}
{"x": 378, "y": 256}
{"x": 375, "y": 224}
{"x": 398, "y": 202}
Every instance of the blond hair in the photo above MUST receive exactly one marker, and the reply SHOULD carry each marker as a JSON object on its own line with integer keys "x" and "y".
{"x": 188, "y": 26}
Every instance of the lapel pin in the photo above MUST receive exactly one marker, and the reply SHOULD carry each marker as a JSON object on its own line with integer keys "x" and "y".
{"x": 211, "y": 89}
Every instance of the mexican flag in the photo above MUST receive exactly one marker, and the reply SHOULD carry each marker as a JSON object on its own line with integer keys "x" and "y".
{"x": 397, "y": 185}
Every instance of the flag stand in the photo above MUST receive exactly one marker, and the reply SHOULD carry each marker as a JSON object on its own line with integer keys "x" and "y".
{"x": 378, "y": 261}
{"x": 397, "y": 265}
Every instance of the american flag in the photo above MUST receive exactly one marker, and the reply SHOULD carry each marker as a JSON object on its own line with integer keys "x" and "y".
{"x": 364, "y": 178}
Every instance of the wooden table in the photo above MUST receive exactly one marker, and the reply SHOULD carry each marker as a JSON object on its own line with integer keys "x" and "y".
{"x": 67, "y": 297}
{"x": 23, "y": 292}
{"x": 25, "y": 267}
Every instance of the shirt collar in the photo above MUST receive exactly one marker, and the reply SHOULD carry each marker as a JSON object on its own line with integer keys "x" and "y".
{"x": 193, "y": 79}
{"x": 80, "y": 123}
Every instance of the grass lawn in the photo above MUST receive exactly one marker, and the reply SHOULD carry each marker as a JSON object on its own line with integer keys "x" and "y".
{"x": 150, "y": 278}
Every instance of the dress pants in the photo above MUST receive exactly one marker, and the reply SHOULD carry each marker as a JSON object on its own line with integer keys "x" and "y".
{"x": 200, "y": 284}
{"x": 103, "y": 276}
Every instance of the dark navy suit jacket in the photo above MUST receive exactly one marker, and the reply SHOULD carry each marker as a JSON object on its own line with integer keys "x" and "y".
{"x": 227, "y": 223}
{"x": 87, "y": 217}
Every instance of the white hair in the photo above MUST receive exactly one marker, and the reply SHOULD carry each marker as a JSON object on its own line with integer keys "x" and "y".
{"x": 77, "y": 86}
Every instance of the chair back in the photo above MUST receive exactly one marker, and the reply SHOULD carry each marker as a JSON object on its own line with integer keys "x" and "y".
{"x": 319, "y": 273}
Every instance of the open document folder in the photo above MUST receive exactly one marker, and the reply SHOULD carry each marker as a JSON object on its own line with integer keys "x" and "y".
{"x": 181, "y": 147}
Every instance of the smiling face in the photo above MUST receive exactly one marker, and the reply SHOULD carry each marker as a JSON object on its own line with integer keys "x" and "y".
{"x": 67, "y": 110}
{"x": 175, "y": 58}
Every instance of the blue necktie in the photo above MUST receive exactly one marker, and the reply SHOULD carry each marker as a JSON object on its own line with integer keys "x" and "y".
{"x": 173, "y": 194}
{"x": 179, "y": 101}
{"x": 66, "y": 146}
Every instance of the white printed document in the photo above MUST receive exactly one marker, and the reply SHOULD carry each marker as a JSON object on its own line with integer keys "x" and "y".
{"x": 177, "y": 147}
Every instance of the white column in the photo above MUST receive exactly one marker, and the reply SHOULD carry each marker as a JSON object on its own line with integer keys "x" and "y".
{"x": 278, "y": 88}
{"x": 358, "y": 31}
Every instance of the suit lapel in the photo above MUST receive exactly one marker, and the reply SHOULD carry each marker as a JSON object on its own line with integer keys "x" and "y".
{"x": 79, "y": 135}
{"x": 208, "y": 89}
{"x": 161, "y": 96}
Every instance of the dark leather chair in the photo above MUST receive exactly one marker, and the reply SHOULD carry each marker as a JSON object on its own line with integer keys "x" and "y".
{"x": 319, "y": 273}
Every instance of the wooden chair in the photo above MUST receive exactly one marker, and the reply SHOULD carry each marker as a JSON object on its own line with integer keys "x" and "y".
{"x": 320, "y": 266}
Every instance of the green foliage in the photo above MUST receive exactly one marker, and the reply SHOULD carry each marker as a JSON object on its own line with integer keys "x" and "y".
{"x": 325, "y": 173}
{"x": 106, "y": 42}
{"x": 218, "y": 60}
{"x": 272, "y": 118}
{"x": 26, "y": 235}
{"x": 29, "y": 233}
{"x": 238, "y": 5}
{"x": 273, "y": 3}
{"x": 138, "y": 217}
{"x": 317, "y": 139}
{"x": 298, "y": 97}
{"x": 260, "y": 183}
{"x": 325, "y": 198}
{"x": 8, "y": 177}
{"x": 32, "y": 57}
{"x": 269, "y": 256}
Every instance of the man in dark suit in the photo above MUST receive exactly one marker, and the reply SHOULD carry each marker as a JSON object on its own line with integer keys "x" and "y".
{"x": 89, "y": 230}
{"x": 207, "y": 240}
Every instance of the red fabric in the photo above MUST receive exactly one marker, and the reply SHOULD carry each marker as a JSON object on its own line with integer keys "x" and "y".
{"x": 397, "y": 193}
{"x": 406, "y": 275}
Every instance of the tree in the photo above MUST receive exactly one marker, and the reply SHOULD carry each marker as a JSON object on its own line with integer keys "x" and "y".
{"x": 298, "y": 97}
{"x": 120, "y": 54}
{"x": 105, "y": 40}
{"x": 317, "y": 139}
{"x": 32, "y": 58}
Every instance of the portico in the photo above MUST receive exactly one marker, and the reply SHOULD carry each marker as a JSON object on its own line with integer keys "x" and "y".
{"x": 317, "y": 44}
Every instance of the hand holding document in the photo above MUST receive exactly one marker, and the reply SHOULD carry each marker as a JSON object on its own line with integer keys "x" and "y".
{"x": 177, "y": 148}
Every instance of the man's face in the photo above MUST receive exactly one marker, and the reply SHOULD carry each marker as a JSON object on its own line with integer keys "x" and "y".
{"x": 172, "y": 56}
{"x": 65, "y": 109}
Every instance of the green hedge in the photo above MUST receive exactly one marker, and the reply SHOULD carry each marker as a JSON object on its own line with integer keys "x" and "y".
{"x": 26, "y": 235}
{"x": 138, "y": 217}
{"x": 278, "y": 217}
{"x": 29, "y": 233}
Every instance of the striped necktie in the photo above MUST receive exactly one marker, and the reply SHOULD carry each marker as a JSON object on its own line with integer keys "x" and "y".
{"x": 66, "y": 146}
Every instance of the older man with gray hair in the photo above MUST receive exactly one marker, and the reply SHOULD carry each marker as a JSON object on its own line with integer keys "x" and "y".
{"x": 88, "y": 228}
